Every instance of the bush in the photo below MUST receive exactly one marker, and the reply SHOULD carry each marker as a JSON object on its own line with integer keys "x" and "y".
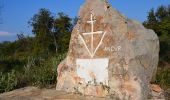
{"x": 40, "y": 72}
{"x": 163, "y": 77}
{"x": 8, "y": 81}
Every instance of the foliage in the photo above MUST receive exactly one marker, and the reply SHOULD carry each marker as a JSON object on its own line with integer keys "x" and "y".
{"x": 42, "y": 74}
{"x": 51, "y": 32}
{"x": 8, "y": 81}
{"x": 42, "y": 24}
{"x": 159, "y": 21}
{"x": 37, "y": 72}
{"x": 62, "y": 31}
{"x": 34, "y": 60}
{"x": 13, "y": 55}
{"x": 163, "y": 77}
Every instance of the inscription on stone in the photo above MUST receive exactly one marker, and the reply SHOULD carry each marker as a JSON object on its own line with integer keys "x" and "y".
{"x": 113, "y": 48}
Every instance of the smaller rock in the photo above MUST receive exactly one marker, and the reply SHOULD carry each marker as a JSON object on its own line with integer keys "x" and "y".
{"x": 155, "y": 88}
{"x": 156, "y": 93}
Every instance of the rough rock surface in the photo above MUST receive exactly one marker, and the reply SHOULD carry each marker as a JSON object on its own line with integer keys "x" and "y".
{"x": 34, "y": 93}
{"x": 132, "y": 52}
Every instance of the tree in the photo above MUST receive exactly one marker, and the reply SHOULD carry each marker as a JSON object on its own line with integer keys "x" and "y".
{"x": 62, "y": 31}
{"x": 159, "y": 21}
{"x": 52, "y": 34}
{"x": 151, "y": 20}
{"x": 42, "y": 25}
{"x": 161, "y": 13}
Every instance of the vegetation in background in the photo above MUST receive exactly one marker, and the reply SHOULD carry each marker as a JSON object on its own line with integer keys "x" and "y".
{"x": 33, "y": 60}
{"x": 159, "y": 21}
{"x": 52, "y": 35}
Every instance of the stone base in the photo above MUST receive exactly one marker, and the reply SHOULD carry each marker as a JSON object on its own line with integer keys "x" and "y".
{"x": 33, "y": 93}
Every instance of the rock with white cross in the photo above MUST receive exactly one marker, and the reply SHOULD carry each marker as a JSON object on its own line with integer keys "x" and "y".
{"x": 109, "y": 55}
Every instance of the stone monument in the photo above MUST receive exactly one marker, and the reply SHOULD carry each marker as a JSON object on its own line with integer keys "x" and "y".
{"x": 109, "y": 55}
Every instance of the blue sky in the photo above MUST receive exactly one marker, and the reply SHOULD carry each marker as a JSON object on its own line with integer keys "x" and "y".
{"x": 15, "y": 14}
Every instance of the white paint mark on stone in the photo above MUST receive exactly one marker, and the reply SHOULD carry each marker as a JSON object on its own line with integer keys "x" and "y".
{"x": 99, "y": 43}
{"x": 93, "y": 69}
{"x": 86, "y": 46}
{"x": 93, "y": 50}
{"x": 113, "y": 49}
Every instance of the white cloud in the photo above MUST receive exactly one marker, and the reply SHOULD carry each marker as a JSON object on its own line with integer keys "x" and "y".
{"x": 4, "y": 33}
{"x": 7, "y": 36}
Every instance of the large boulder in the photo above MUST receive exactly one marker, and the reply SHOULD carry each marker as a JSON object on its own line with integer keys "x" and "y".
{"x": 109, "y": 54}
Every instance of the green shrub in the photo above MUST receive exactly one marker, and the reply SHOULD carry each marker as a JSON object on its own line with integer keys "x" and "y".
{"x": 163, "y": 77}
{"x": 44, "y": 77}
{"x": 46, "y": 74}
{"x": 8, "y": 81}
{"x": 40, "y": 72}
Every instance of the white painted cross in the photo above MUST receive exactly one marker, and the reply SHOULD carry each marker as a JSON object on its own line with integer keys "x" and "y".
{"x": 92, "y": 33}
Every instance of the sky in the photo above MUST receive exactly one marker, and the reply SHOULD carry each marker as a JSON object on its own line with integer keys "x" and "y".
{"x": 15, "y": 14}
